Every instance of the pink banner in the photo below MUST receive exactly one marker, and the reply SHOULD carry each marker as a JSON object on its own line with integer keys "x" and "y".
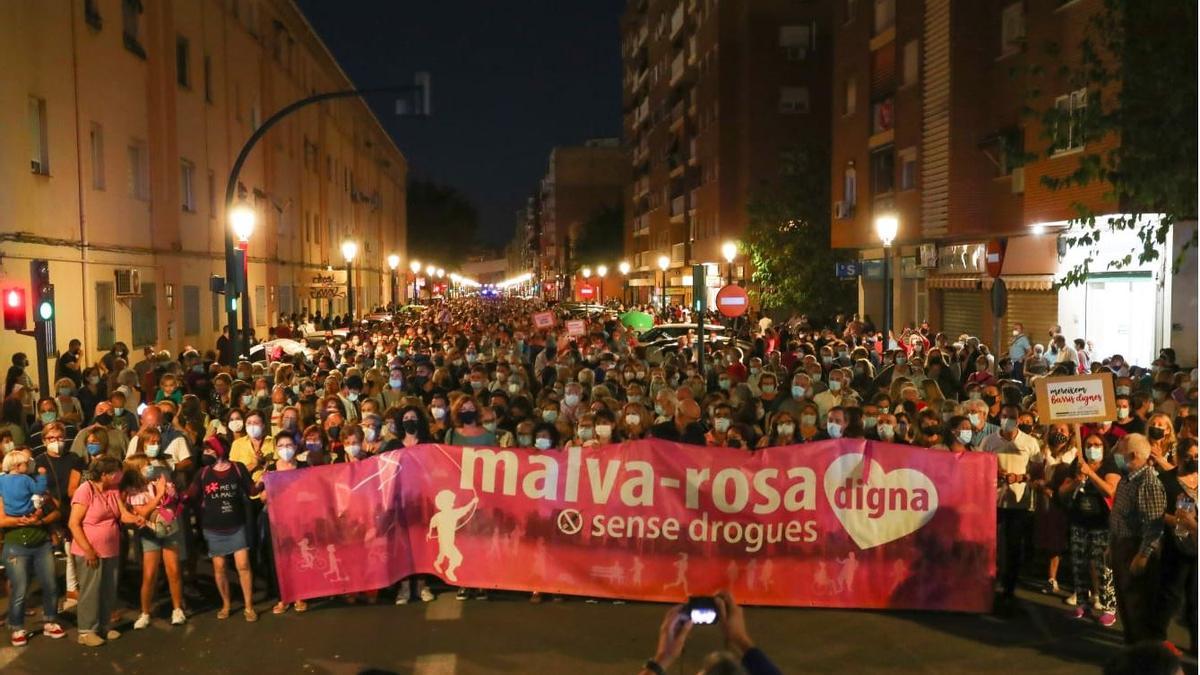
{"x": 845, "y": 523}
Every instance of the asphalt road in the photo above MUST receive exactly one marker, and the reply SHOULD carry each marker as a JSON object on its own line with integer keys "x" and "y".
{"x": 507, "y": 634}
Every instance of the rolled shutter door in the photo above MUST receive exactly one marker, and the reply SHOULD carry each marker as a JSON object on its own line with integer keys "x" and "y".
{"x": 962, "y": 312}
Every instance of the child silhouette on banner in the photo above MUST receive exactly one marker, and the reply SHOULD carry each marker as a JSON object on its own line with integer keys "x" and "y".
{"x": 445, "y": 523}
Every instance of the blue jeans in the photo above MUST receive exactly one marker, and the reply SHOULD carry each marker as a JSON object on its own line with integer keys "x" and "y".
{"x": 18, "y": 560}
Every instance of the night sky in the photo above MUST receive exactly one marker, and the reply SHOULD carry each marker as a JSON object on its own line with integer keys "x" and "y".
{"x": 511, "y": 80}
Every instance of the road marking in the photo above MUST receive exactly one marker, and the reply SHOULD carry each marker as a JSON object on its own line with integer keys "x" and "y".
{"x": 436, "y": 664}
{"x": 446, "y": 609}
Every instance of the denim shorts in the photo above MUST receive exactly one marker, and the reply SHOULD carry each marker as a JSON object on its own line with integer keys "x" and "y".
{"x": 151, "y": 542}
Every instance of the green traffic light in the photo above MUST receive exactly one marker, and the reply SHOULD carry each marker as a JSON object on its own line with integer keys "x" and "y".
{"x": 46, "y": 311}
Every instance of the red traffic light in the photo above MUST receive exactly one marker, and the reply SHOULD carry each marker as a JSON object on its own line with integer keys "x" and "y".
{"x": 14, "y": 309}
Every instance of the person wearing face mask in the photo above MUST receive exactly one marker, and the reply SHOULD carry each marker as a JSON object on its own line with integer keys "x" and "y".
{"x": 1088, "y": 492}
{"x": 150, "y": 493}
{"x": 885, "y": 429}
{"x": 91, "y": 393}
{"x": 1178, "y": 586}
{"x": 1050, "y": 524}
{"x": 1019, "y": 455}
{"x": 685, "y": 427}
{"x": 97, "y": 511}
{"x": 350, "y": 393}
{"x": 782, "y": 431}
{"x": 833, "y": 398}
{"x": 721, "y": 422}
{"x": 468, "y": 429}
{"x": 220, "y": 493}
{"x": 836, "y": 424}
{"x": 632, "y": 423}
{"x": 959, "y": 433}
{"x": 1161, "y": 432}
{"x": 63, "y": 471}
{"x": 1135, "y": 537}
{"x": 255, "y": 447}
{"x": 977, "y": 414}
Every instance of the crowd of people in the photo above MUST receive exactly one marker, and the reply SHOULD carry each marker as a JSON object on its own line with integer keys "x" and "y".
{"x": 162, "y": 458}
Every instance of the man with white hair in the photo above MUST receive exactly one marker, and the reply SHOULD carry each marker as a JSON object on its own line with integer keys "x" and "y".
{"x": 976, "y": 410}
{"x": 1136, "y": 526}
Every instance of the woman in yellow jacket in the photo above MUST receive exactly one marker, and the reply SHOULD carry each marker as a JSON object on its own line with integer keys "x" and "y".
{"x": 255, "y": 450}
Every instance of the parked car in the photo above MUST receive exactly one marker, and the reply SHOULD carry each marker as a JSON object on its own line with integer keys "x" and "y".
{"x": 663, "y": 339}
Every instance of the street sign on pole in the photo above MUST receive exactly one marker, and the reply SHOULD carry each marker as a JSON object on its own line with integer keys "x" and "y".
{"x": 732, "y": 301}
{"x": 848, "y": 270}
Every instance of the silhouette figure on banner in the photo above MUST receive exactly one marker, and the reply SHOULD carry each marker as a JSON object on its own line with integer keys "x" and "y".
{"x": 638, "y": 566}
{"x": 334, "y": 573}
{"x": 845, "y": 578}
{"x": 681, "y": 568}
{"x": 446, "y": 524}
{"x": 307, "y": 559}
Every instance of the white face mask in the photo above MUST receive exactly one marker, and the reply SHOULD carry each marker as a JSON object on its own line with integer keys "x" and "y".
{"x": 255, "y": 431}
{"x": 833, "y": 429}
{"x": 235, "y": 425}
{"x": 633, "y": 420}
{"x": 886, "y": 432}
{"x": 604, "y": 431}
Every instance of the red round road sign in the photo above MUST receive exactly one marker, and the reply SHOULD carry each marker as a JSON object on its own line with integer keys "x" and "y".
{"x": 994, "y": 257}
{"x": 732, "y": 301}
{"x": 586, "y": 291}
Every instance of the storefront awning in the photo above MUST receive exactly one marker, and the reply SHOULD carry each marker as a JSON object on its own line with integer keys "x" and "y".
{"x": 1030, "y": 256}
{"x": 965, "y": 282}
{"x": 1029, "y": 282}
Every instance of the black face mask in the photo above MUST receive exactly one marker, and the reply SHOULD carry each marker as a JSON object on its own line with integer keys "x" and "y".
{"x": 1155, "y": 433}
{"x": 1025, "y": 428}
{"x": 989, "y": 399}
{"x": 468, "y": 416}
{"x": 207, "y": 459}
{"x": 1188, "y": 466}
{"x": 411, "y": 427}
{"x": 930, "y": 431}
{"x": 1056, "y": 438}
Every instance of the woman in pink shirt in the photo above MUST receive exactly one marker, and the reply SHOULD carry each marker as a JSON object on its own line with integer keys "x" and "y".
{"x": 96, "y": 513}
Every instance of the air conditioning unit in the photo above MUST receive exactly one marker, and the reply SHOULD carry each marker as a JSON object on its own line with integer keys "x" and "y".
{"x": 129, "y": 283}
{"x": 843, "y": 210}
{"x": 928, "y": 256}
{"x": 1018, "y": 180}
{"x": 796, "y": 53}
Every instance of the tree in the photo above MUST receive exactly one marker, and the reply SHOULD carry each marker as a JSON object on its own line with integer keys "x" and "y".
{"x": 442, "y": 223}
{"x": 788, "y": 239}
{"x": 601, "y": 239}
{"x": 1138, "y": 66}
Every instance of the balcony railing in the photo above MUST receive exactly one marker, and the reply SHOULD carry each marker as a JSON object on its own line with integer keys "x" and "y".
{"x": 678, "y": 206}
{"x": 677, "y": 21}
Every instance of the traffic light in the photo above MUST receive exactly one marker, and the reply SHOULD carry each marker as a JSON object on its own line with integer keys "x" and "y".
{"x": 14, "y": 309}
{"x": 43, "y": 290}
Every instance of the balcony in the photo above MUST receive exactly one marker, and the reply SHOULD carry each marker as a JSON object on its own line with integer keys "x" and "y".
{"x": 677, "y": 20}
{"x": 693, "y": 151}
{"x": 641, "y": 225}
{"x": 677, "y": 115}
{"x": 641, "y": 187}
{"x": 693, "y": 98}
{"x": 678, "y": 208}
{"x": 883, "y": 121}
{"x": 677, "y": 69}
{"x": 693, "y": 201}
{"x": 678, "y": 254}
{"x": 691, "y": 51}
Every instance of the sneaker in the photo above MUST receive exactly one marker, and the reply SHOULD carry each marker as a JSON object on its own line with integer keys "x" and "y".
{"x": 142, "y": 622}
{"x": 1078, "y": 613}
{"x": 112, "y": 635}
{"x": 90, "y": 639}
{"x": 1107, "y": 619}
{"x": 20, "y": 637}
{"x": 70, "y": 601}
{"x": 426, "y": 595}
{"x": 178, "y": 618}
{"x": 1071, "y": 600}
{"x": 462, "y": 594}
{"x": 53, "y": 630}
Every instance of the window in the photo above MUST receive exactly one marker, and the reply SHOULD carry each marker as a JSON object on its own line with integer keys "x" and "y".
{"x": 883, "y": 171}
{"x": 912, "y": 63}
{"x": 96, "y": 136}
{"x": 139, "y": 173}
{"x": 850, "y": 186}
{"x": 131, "y": 21}
{"x": 908, "y": 169}
{"x": 850, "y": 96}
{"x": 1012, "y": 29}
{"x": 191, "y": 310}
{"x": 143, "y": 310}
{"x": 187, "y": 185}
{"x": 212, "y": 194}
{"x": 885, "y": 15}
{"x": 797, "y": 41}
{"x": 39, "y": 143}
{"x": 182, "y": 62}
{"x": 1068, "y": 132}
{"x": 208, "y": 85}
{"x": 793, "y": 100}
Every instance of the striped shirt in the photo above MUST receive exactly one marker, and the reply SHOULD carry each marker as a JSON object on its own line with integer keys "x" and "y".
{"x": 1137, "y": 509}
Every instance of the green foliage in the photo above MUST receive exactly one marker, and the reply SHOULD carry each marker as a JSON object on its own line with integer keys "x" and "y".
{"x": 601, "y": 240}
{"x": 1145, "y": 50}
{"x": 442, "y": 223}
{"x": 788, "y": 239}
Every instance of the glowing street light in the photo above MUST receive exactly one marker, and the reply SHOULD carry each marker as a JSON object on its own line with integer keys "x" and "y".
{"x": 349, "y": 251}
{"x": 887, "y": 226}
{"x": 663, "y": 263}
{"x": 730, "y": 250}
{"x": 624, "y": 268}
{"x": 393, "y": 262}
{"x": 242, "y": 219}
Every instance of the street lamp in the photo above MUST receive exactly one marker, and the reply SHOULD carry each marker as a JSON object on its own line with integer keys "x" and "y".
{"x": 663, "y": 263}
{"x": 349, "y": 250}
{"x": 730, "y": 250}
{"x": 415, "y": 268}
{"x": 601, "y": 271}
{"x": 242, "y": 219}
{"x": 624, "y": 268}
{"x": 393, "y": 262}
{"x": 886, "y": 226}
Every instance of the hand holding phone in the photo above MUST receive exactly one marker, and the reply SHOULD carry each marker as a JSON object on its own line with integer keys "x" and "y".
{"x": 702, "y": 610}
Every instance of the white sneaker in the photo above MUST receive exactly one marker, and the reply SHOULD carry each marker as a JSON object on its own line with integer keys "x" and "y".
{"x": 178, "y": 618}
{"x": 1071, "y": 600}
{"x": 142, "y": 622}
{"x": 426, "y": 595}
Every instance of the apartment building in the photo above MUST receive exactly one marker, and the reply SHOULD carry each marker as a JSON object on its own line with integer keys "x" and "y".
{"x": 713, "y": 92}
{"x": 929, "y": 126}
{"x": 131, "y": 114}
{"x": 580, "y": 182}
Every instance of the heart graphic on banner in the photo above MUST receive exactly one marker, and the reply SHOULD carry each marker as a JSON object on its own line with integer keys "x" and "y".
{"x": 885, "y": 507}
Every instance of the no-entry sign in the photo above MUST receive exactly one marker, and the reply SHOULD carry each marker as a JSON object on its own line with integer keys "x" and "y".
{"x": 732, "y": 301}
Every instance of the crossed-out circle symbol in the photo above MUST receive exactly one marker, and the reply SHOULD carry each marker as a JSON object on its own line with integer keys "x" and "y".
{"x": 570, "y": 521}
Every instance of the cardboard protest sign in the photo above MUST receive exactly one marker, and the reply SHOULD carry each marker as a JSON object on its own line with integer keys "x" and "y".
{"x": 1076, "y": 399}
{"x": 543, "y": 320}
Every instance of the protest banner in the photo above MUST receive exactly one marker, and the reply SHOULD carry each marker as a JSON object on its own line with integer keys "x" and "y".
{"x": 576, "y": 327}
{"x": 1076, "y": 399}
{"x": 543, "y": 320}
{"x": 839, "y": 523}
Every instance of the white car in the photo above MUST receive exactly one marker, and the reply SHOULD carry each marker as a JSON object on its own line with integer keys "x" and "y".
{"x": 664, "y": 339}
